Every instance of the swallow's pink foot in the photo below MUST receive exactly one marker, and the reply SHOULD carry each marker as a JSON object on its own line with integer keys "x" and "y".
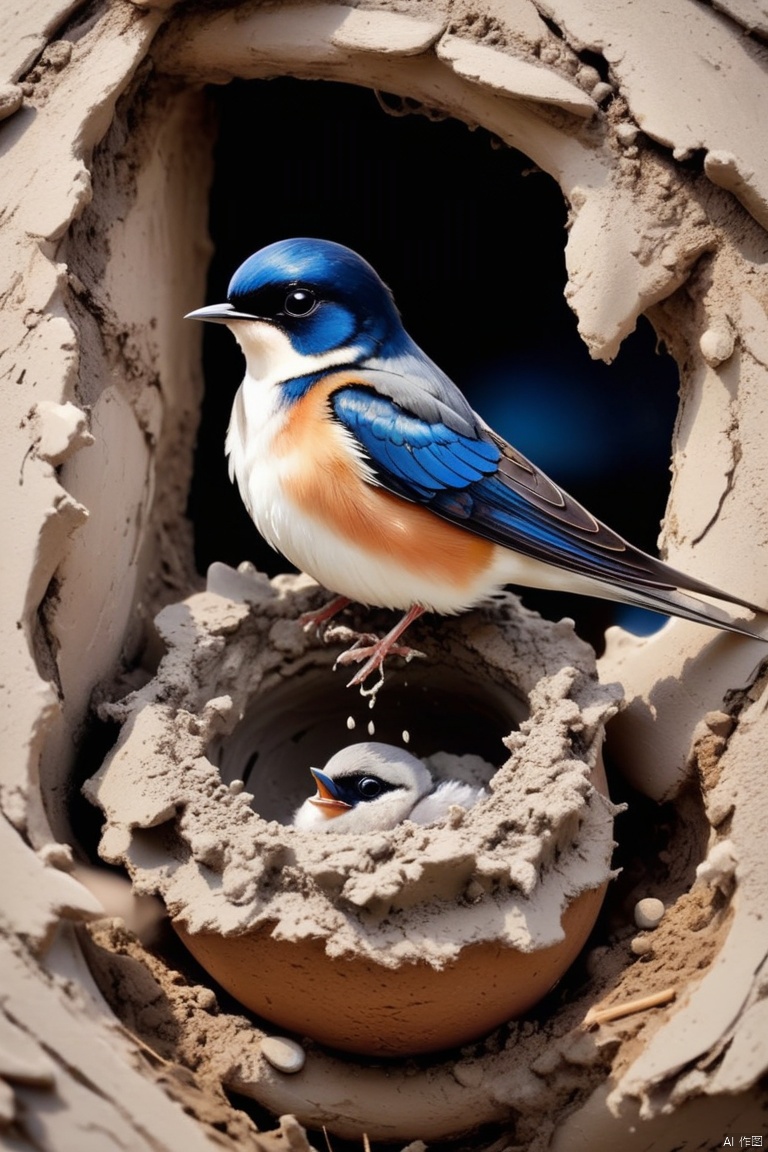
{"x": 375, "y": 652}
{"x": 320, "y": 616}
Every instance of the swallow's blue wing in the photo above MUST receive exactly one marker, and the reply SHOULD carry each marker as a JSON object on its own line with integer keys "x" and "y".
{"x": 416, "y": 458}
{"x": 483, "y": 484}
{"x": 476, "y": 481}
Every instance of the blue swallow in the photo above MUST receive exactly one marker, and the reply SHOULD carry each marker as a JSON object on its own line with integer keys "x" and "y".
{"x": 361, "y": 462}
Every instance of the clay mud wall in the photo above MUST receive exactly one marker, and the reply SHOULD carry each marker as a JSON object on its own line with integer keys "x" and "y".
{"x": 650, "y": 117}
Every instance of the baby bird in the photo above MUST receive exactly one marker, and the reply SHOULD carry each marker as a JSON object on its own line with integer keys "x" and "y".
{"x": 370, "y": 786}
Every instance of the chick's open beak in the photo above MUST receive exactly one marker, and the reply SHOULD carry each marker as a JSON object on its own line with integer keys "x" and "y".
{"x": 327, "y": 799}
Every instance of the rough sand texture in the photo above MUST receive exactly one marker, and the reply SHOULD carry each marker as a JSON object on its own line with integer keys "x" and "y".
{"x": 104, "y": 184}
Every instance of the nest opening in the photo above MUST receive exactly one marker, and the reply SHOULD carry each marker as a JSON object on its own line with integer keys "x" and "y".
{"x": 302, "y": 721}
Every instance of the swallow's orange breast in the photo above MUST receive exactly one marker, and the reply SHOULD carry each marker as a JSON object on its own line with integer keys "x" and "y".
{"x": 323, "y": 477}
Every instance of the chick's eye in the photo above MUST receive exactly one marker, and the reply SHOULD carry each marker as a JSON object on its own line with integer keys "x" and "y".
{"x": 369, "y": 787}
{"x": 300, "y": 302}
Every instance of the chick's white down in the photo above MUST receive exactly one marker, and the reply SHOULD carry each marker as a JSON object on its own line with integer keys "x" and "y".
{"x": 408, "y": 792}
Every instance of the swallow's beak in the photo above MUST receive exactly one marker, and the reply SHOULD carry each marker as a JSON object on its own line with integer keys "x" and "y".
{"x": 219, "y": 314}
{"x": 327, "y": 799}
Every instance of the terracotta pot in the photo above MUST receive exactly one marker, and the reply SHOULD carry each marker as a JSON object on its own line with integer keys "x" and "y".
{"x": 360, "y": 1006}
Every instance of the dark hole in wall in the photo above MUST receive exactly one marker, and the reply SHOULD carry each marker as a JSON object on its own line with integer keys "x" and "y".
{"x": 471, "y": 241}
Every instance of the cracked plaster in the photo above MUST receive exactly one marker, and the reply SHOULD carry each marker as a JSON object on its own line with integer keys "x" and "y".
{"x": 649, "y": 232}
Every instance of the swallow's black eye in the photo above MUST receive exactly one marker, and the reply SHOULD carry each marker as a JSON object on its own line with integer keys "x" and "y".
{"x": 369, "y": 787}
{"x": 300, "y": 302}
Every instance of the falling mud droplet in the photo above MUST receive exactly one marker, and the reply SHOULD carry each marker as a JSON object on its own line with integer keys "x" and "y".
{"x": 350, "y": 722}
{"x": 371, "y": 728}
{"x": 406, "y": 736}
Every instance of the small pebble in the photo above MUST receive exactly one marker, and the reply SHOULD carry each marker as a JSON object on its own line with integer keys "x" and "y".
{"x": 206, "y": 999}
{"x": 57, "y": 856}
{"x": 587, "y": 77}
{"x": 641, "y": 945}
{"x": 236, "y": 787}
{"x": 600, "y": 91}
{"x": 283, "y": 1054}
{"x": 717, "y": 343}
{"x": 648, "y": 912}
{"x": 627, "y": 134}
